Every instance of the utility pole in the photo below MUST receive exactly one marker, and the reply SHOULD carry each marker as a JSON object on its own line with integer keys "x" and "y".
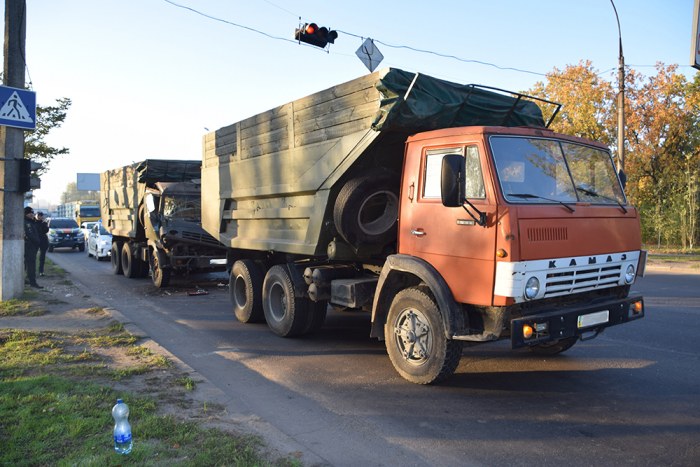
{"x": 620, "y": 99}
{"x": 12, "y": 147}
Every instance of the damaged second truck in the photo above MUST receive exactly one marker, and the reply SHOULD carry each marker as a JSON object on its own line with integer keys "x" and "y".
{"x": 152, "y": 210}
{"x": 449, "y": 212}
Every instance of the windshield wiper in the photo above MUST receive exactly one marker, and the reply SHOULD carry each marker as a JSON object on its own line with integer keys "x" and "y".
{"x": 595, "y": 194}
{"x": 531, "y": 196}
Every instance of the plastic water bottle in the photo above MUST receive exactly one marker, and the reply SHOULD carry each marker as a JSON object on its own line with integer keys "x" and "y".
{"x": 122, "y": 429}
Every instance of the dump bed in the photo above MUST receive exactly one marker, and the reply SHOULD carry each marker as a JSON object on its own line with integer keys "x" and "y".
{"x": 122, "y": 191}
{"x": 269, "y": 182}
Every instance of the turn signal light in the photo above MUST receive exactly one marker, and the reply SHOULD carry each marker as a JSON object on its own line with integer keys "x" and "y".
{"x": 637, "y": 307}
{"x": 501, "y": 253}
{"x": 527, "y": 331}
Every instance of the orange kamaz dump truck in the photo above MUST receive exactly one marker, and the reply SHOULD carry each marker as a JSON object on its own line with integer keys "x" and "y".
{"x": 449, "y": 212}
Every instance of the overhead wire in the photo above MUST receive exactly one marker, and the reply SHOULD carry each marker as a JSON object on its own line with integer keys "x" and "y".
{"x": 413, "y": 49}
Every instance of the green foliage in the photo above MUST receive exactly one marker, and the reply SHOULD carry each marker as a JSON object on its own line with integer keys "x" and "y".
{"x": 47, "y": 119}
{"x": 55, "y": 410}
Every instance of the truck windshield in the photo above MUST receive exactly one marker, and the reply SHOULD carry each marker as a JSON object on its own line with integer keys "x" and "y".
{"x": 537, "y": 170}
{"x": 89, "y": 211}
{"x": 182, "y": 207}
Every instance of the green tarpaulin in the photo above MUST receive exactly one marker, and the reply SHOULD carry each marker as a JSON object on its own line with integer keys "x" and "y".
{"x": 425, "y": 103}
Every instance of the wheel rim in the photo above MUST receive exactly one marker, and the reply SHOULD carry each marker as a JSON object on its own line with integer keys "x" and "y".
{"x": 414, "y": 337}
{"x": 378, "y": 213}
{"x": 240, "y": 296}
{"x": 277, "y": 302}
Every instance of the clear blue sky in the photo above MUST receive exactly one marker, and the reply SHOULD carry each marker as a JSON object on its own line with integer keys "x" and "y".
{"x": 148, "y": 78}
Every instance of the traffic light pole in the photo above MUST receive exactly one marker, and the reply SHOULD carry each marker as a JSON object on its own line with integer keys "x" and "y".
{"x": 12, "y": 144}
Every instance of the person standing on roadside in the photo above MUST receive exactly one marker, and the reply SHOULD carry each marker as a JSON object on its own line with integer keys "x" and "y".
{"x": 31, "y": 246}
{"x": 43, "y": 229}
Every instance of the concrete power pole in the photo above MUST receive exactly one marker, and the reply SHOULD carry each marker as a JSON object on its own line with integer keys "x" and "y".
{"x": 12, "y": 147}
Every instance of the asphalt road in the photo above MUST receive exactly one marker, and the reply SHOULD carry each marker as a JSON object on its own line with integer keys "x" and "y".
{"x": 629, "y": 397}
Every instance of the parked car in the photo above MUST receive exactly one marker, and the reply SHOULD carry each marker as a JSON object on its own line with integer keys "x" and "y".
{"x": 86, "y": 228}
{"x": 65, "y": 233}
{"x": 99, "y": 242}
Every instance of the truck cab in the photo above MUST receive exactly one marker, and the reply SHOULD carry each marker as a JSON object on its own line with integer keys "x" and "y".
{"x": 518, "y": 233}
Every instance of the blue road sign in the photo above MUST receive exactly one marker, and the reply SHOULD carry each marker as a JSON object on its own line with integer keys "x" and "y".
{"x": 17, "y": 108}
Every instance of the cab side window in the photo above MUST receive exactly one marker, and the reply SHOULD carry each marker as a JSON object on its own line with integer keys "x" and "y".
{"x": 474, "y": 182}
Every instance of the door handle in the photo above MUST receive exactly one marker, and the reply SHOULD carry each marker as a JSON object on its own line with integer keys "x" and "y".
{"x": 418, "y": 232}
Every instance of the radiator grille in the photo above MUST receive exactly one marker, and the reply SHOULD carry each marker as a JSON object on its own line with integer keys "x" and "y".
{"x": 581, "y": 279}
{"x": 200, "y": 238}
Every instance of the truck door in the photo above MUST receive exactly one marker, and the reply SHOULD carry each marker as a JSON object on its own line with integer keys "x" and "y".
{"x": 448, "y": 238}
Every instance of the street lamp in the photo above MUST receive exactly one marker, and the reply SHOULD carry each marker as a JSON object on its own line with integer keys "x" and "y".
{"x": 620, "y": 100}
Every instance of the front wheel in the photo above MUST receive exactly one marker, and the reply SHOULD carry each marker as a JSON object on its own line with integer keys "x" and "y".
{"x": 159, "y": 275}
{"x": 554, "y": 348}
{"x": 415, "y": 339}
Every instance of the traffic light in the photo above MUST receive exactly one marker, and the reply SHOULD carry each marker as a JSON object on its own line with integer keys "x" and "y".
{"x": 28, "y": 180}
{"x": 310, "y": 33}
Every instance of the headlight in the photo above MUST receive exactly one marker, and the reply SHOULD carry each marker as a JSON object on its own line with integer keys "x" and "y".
{"x": 532, "y": 287}
{"x": 629, "y": 274}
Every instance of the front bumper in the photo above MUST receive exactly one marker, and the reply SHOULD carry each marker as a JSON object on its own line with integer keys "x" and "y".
{"x": 66, "y": 242}
{"x": 581, "y": 321}
{"x": 104, "y": 252}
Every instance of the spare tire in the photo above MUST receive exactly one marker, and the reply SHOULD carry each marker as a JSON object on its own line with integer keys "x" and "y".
{"x": 367, "y": 208}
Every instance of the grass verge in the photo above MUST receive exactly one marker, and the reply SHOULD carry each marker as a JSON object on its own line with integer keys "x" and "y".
{"x": 57, "y": 390}
{"x": 56, "y": 410}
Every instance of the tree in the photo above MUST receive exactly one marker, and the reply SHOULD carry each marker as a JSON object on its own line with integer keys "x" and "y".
{"x": 663, "y": 155}
{"x": 586, "y": 102}
{"x": 47, "y": 119}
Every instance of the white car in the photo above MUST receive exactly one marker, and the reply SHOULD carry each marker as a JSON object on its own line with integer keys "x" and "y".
{"x": 86, "y": 228}
{"x": 99, "y": 242}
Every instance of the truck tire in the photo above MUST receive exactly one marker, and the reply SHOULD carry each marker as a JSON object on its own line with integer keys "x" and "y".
{"x": 245, "y": 289}
{"x": 415, "y": 339}
{"x": 554, "y": 348}
{"x": 159, "y": 275}
{"x": 131, "y": 265}
{"x": 286, "y": 314}
{"x": 367, "y": 209}
{"x": 116, "y": 258}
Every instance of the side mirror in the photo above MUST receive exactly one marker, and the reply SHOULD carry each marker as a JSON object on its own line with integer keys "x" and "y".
{"x": 623, "y": 178}
{"x": 451, "y": 181}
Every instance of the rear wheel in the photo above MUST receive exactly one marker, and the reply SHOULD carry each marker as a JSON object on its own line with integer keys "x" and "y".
{"x": 116, "y": 257}
{"x": 245, "y": 289}
{"x": 286, "y": 315}
{"x": 554, "y": 348}
{"x": 415, "y": 339}
{"x": 131, "y": 265}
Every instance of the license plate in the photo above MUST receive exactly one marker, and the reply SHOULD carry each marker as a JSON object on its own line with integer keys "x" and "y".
{"x": 592, "y": 319}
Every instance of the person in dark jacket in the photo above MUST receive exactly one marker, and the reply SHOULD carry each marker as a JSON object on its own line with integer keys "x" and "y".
{"x": 43, "y": 228}
{"x": 31, "y": 246}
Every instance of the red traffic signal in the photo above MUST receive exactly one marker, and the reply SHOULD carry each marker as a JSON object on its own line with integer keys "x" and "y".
{"x": 312, "y": 34}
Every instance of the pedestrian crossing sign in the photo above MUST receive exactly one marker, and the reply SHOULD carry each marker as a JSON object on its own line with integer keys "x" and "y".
{"x": 17, "y": 108}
